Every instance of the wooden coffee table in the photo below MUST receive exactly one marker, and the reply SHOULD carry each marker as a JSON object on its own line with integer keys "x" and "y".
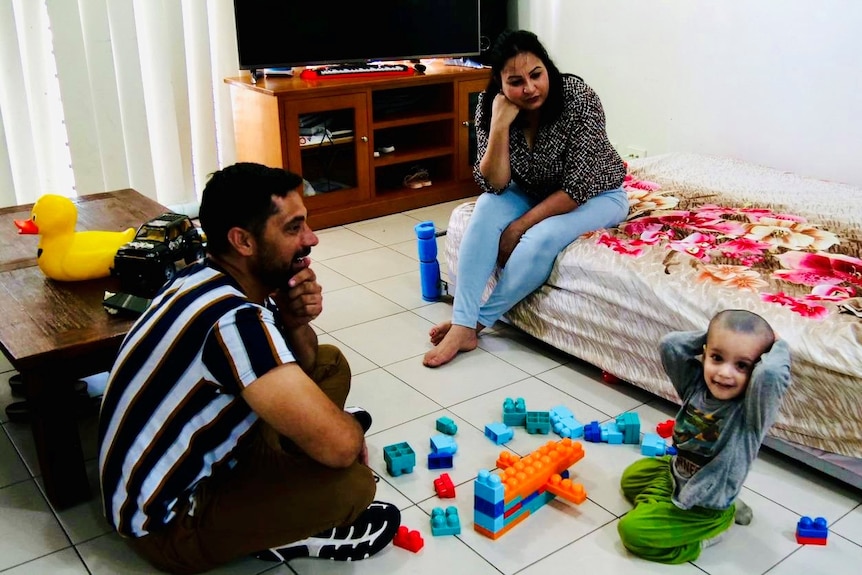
{"x": 56, "y": 332}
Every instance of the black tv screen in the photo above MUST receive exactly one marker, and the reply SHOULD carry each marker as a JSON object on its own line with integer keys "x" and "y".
{"x": 288, "y": 33}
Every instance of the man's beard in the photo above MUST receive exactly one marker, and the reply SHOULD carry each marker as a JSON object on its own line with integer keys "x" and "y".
{"x": 272, "y": 271}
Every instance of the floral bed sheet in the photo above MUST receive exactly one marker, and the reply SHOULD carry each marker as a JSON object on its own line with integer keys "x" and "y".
{"x": 706, "y": 234}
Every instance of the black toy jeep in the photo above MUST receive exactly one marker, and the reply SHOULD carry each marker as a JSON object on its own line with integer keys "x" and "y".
{"x": 146, "y": 263}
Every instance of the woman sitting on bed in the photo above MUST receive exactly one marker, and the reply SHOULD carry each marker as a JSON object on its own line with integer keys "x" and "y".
{"x": 549, "y": 174}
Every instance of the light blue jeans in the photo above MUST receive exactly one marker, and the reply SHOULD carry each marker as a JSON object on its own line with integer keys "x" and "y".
{"x": 532, "y": 259}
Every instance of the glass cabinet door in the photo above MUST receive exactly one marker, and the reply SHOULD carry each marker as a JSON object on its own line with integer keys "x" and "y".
{"x": 468, "y": 98}
{"x": 328, "y": 147}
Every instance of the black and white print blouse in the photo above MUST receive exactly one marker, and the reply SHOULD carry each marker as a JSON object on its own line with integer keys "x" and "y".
{"x": 573, "y": 153}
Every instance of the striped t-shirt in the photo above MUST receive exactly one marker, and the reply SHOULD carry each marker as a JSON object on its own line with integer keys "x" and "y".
{"x": 172, "y": 410}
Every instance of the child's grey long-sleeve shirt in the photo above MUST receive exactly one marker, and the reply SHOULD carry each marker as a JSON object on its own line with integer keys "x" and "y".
{"x": 717, "y": 440}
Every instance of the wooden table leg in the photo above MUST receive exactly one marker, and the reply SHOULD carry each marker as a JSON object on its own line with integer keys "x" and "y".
{"x": 55, "y": 431}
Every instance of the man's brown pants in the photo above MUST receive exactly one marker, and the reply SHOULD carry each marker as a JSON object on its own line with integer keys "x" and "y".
{"x": 272, "y": 497}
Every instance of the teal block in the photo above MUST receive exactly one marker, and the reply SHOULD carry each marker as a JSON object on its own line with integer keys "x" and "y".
{"x": 445, "y": 522}
{"x": 400, "y": 458}
{"x": 446, "y": 425}
{"x": 538, "y": 422}
{"x": 514, "y": 412}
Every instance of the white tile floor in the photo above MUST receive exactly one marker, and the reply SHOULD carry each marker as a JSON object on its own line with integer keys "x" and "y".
{"x": 374, "y": 312}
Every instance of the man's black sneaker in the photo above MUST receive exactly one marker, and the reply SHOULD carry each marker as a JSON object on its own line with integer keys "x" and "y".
{"x": 373, "y": 530}
{"x": 362, "y": 416}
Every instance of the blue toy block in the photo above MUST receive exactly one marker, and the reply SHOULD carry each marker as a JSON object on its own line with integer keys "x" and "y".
{"x": 444, "y": 444}
{"x": 629, "y": 424}
{"x": 611, "y": 433}
{"x": 492, "y": 524}
{"x": 446, "y": 425}
{"x": 592, "y": 432}
{"x": 438, "y": 460}
{"x": 488, "y": 486}
{"x": 490, "y": 509}
{"x": 499, "y": 433}
{"x": 538, "y": 422}
{"x": 563, "y": 422}
{"x": 812, "y": 528}
{"x": 445, "y": 522}
{"x": 514, "y": 412}
{"x": 653, "y": 444}
{"x": 400, "y": 458}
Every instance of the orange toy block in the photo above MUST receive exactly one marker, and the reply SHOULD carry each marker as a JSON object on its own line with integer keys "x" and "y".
{"x": 531, "y": 473}
{"x": 567, "y": 489}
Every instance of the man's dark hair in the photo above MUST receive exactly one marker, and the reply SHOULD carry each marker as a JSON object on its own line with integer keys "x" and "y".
{"x": 510, "y": 43}
{"x": 241, "y": 196}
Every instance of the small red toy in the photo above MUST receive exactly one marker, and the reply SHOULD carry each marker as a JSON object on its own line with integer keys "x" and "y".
{"x": 610, "y": 378}
{"x": 408, "y": 539}
{"x": 444, "y": 487}
{"x": 665, "y": 428}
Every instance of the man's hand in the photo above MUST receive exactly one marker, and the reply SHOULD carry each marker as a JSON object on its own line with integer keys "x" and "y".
{"x": 302, "y": 301}
{"x": 508, "y": 241}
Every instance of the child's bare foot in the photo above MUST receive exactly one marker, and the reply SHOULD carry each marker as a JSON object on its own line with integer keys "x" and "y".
{"x": 439, "y": 331}
{"x": 457, "y": 339}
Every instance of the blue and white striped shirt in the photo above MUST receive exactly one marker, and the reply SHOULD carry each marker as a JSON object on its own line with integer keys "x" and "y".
{"x": 172, "y": 410}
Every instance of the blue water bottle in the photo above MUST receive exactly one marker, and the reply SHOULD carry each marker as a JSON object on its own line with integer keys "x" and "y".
{"x": 429, "y": 268}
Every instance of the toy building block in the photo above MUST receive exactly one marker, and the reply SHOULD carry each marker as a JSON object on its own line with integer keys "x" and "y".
{"x": 665, "y": 428}
{"x": 400, "y": 458}
{"x": 608, "y": 377}
{"x": 567, "y": 490}
{"x": 499, "y": 433}
{"x": 563, "y": 422}
{"x": 444, "y": 487}
{"x": 502, "y": 500}
{"x": 812, "y": 531}
{"x": 443, "y": 444}
{"x": 514, "y": 412}
{"x": 610, "y": 433}
{"x": 629, "y": 423}
{"x": 445, "y": 522}
{"x": 446, "y": 425}
{"x": 538, "y": 422}
{"x": 408, "y": 539}
{"x": 653, "y": 444}
{"x": 439, "y": 460}
{"x": 592, "y": 432}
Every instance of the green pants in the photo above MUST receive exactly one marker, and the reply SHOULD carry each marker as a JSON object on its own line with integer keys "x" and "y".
{"x": 658, "y": 530}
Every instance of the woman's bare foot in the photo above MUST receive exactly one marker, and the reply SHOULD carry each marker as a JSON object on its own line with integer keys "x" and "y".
{"x": 458, "y": 338}
{"x": 439, "y": 331}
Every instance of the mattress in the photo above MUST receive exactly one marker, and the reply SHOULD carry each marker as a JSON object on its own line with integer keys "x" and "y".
{"x": 706, "y": 234}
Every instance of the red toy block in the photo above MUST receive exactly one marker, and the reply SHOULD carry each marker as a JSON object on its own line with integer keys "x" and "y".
{"x": 610, "y": 378}
{"x": 408, "y": 539}
{"x": 665, "y": 428}
{"x": 444, "y": 487}
{"x": 810, "y": 540}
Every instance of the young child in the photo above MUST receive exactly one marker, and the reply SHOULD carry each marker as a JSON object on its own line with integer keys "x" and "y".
{"x": 685, "y": 502}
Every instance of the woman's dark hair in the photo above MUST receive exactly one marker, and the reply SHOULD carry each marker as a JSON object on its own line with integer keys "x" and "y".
{"x": 510, "y": 43}
{"x": 241, "y": 196}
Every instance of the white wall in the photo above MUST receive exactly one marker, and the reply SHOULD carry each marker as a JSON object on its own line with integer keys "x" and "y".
{"x": 776, "y": 82}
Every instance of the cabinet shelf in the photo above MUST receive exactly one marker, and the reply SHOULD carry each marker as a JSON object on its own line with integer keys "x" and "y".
{"x": 426, "y": 118}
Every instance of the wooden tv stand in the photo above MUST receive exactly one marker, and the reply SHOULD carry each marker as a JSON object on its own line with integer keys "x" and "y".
{"x": 427, "y": 119}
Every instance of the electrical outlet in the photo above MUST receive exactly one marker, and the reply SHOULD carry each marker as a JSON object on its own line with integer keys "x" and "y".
{"x": 631, "y": 153}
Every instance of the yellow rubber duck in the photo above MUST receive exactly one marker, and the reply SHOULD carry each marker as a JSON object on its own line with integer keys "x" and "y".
{"x": 67, "y": 255}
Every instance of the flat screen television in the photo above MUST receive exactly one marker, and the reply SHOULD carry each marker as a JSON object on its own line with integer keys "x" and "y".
{"x": 289, "y": 33}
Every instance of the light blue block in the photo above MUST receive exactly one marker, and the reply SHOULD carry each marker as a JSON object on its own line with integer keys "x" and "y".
{"x": 488, "y": 486}
{"x": 444, "y": 444}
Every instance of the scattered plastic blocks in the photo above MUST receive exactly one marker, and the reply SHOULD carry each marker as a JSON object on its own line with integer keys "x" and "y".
{"x": 514, "y": 412}
{"x": 443, "y": 444}
{"x": 499, "y": 433}
{"x": 503, "y": 500}
{"x": 445, "y": 522}
{"x": 438, "y": 460}
{"x": 563, "y": 422}
{"x": 653, "y": 444}
{"x": 665, "y": 428}
{"x": 408, "y": 539}
{"x": 400, "y": 458}
{"x": 538, "y": 422}
{"x": 592, "y": 432}
{"x": 446, "y": 425}
{"x": 610, "y": 433}
{"x": 444, "y": 487}
{"x": 811, "y": 531}
{"x": 629, "y": 424}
